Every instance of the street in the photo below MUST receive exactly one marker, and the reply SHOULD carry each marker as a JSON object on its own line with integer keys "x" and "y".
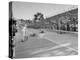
{"x": 48, "y": 44}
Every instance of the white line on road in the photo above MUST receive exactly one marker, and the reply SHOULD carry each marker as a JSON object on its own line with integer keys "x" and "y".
{"x": 43, "y": 50}
{"x": 42, "y": 36}
{"x": 60, "y": 44}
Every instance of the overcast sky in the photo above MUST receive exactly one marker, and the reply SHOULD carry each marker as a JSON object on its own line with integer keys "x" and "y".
{"x": 26, "y": 10}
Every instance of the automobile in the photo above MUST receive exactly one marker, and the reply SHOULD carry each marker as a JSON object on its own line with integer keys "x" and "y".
{"x": 42, "y": 32}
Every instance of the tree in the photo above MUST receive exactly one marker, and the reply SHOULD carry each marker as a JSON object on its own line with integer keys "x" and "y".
{"x": 38, "y": 17}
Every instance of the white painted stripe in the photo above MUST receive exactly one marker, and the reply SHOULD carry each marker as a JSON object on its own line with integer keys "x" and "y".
{"x": 60, "y": 44}
{"x": 59, "y": 53}
{"x": 44, "y": 55}
{"x": 43, "y": 50}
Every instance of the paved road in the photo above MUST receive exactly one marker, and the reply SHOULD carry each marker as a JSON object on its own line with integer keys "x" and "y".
{"x": 47, "y": 44}
{"x": 63, "y": 38}
{"x": 23, "y": 49}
